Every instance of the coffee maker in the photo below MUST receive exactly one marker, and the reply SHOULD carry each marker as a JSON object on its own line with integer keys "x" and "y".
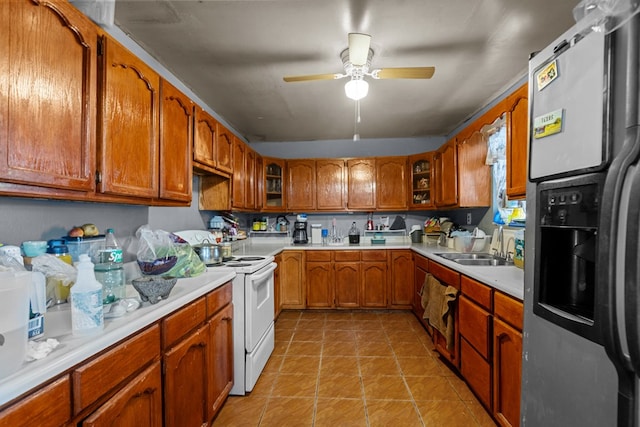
{"x": 300, "y": 235}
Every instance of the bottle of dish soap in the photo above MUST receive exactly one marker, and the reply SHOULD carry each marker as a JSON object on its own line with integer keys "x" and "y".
{"x": 86, "y": 300}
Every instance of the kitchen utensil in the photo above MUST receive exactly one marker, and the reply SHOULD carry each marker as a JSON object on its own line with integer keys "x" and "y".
{"x": 209, "y": 253}
{"x": 154, "y": 289}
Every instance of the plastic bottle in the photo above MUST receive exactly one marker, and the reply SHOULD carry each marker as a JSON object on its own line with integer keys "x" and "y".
{"x": 518, "y": 256}
{"x": 109, "y": 269}
{"x": 60, "y": 250}
{"x": 370, "y": 221}
{"x": 86, "y": 300}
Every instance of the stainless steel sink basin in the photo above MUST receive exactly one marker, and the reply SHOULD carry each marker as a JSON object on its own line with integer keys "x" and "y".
{"x": 474, "y": 259}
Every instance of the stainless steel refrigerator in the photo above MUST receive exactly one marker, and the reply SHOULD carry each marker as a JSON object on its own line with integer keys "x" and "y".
{"x": 581, "y": 337}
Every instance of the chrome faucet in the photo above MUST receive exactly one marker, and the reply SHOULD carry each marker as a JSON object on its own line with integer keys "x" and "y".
{"x": 501, "y": 241}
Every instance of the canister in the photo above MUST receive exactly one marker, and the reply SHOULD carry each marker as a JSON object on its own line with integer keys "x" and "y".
{"x": 518, "y": 255}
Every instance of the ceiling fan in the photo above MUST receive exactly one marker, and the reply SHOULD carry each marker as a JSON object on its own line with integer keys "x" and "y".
{"x": 356, "y": 60}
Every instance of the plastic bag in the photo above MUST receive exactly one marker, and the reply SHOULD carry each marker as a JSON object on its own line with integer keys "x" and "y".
{"x": 159, "y": 248}
{"x": 59, "y": 275}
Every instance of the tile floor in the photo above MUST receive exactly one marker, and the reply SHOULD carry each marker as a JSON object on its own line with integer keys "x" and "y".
{"x": 354, "y": 368}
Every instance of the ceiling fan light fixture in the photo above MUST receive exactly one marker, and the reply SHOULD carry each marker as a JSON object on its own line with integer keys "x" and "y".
{"x": 356, "y": 89}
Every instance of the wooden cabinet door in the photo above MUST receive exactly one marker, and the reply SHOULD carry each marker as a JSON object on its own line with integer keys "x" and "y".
{"x": 176, "y": 136}
{"x": 204, "y": 138}
{"x": 224, "y": 149}
{"x": 319, "y": 284}
{"x": 330, "y": 185}
{"x": 47, "y": 95}
{"x": 419, "y": 274}
{"x": 400, "y": 279}
{"x": 507, "y": 371}
{"x": 476, "y": 371}
{"x": 446, "y": 163}
{"x": 421, "y": 181}
{"x": 301, "y": 185}
{"x": 128, "y": 137}
{"x": 185, "y": 390}
{"x": 361, "y": 184}
{"x": 517, "y": 143}
{"x": 139, "y": 403}
{"x": 238, "y": 188}
{"x": 49, "y": 406}
{"x": 273, "y": 185}
{"x": 292, "y": 286}
{"x": 373, "y": 288}
{"x": 250, "y": 179}
{"x": 220, "y": 367}
{"x": 474, "y": 176}
{"x": 391, "y": 183}
{"x": 347, "y": 284}
{"x": 259, "y": 182}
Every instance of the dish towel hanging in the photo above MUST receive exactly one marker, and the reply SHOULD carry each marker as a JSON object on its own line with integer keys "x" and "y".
{"x": 436, "y": 301}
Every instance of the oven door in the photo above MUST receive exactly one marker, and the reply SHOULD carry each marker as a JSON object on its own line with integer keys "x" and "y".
{"x": 259, "y": 307}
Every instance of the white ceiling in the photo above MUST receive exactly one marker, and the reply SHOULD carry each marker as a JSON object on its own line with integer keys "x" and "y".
{"x": 233, "y": 55}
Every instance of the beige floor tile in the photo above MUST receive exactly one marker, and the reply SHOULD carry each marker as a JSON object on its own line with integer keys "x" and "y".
{"x": 241, "y": 411}
{"x": 369, "y": 336}
{"x": 480, "y": 414}
{"x": 264, "y": 384}
{"x": 410, "y": 349}
{"x": 366, "y": 315}
{"x": 286, "y": 324}
{"x": 339, "y": 365}
{"x": 284, "y": 334}
{"x": 300, "y": 365}
{"x": 273, "y": 364}
{"x": 331, "y": 335}
{"x": 280, "y": 348}
{"x": 340, "y": 315}
{"x": 290, "y": 314}
{"x": 374, "y": 348}
{"x": 445, "y": 413}
{"x": 431, "y": 388}
{"x": 420, "y": 366}
{"x": 340, "y": 413}
{"x": 340, "y": 386}
{"x": 367, "y": 325}
{"x": 402, "y": 336}
{"x": 384, "y": 387}
{"x": 288, "y": 411}
{"x": 343, "y": 324}
{"x": 339, "y": 348}
{"x": 294, "y": 385}
{"x": 305, "y": 348}
{"x": 310, "y": 324}
{"x": 385, "y": 413}
{"x": 461, "y": 388}
{"x": 313, "y": 314}
{"x": 308, "y": 335}
{"x": 378, "y": 366}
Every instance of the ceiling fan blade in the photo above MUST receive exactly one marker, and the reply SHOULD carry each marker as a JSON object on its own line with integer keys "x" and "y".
{"x": 359, "y": 48}
{"x": 404, "y": 73}
{"x": 310, "y": 77}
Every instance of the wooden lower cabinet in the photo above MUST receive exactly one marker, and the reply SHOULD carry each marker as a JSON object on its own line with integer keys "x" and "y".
{"x": 401, "y": 279}
{"x": 319, "y": 280}
{"x": 476, "y": 371}
{"x": 220, "y": 368}
{"x": 292, "y": 285}
{"x": 421, "y": 268}
{"x": 447, "y": 277}
{"x": 50, "y": 406}
{"x": 373, "y": 288}
{"x": 139, "y": 403}
{"x": 347, "y": 284}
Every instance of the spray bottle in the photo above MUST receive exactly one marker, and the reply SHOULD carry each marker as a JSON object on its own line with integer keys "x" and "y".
{"x": 86, "y": 300}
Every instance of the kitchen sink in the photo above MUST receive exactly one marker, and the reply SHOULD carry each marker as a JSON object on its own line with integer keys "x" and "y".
{"x": 474, "y": 259}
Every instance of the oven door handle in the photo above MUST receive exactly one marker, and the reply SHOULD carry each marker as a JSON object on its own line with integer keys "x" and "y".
{"x": 263, "y": 273}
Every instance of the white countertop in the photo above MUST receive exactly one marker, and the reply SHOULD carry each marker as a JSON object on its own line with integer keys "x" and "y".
{"x": 73, "y": 350}
{"x": 508, "y": 279}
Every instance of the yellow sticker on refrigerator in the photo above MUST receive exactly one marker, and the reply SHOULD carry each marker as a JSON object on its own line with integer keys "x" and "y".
{"x": 548, "y": 124}
{"x": 548, "y": 74}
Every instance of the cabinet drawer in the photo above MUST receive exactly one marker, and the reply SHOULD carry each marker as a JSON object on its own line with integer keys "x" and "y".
{"x": 182, "y": 321}
{"x": 422, "y": 262}
{"x": 105, "y": 372}
{"x": 319, "y": 256}
{"x": 478, "y": 292}
{"x": 346, "y": 256}
{"x": 444, "y": 274}
{"x": 49, "y": 406}
{"x": 219, "y": 298}
{"x": 474, "y": 323}
{"x": 508, "y": 309}
{"x": 476, "y": 371}
{"x": 374, "y": 255}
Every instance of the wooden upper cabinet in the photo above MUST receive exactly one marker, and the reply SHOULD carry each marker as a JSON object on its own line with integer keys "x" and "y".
{"x": 391, "y": 183}
{"x": 361, "y": 184}
{"x": 259, "y": 182}
{"x": 273, "y": 188}
{"x": 204, "y": 138}
{"x": 250, "y": 179}
{"x": 446, "y": 174}
{"x": 517, "y": 142}
{"x": 176, "y": 134}
{"x": 47, "y": 98}
{"x": 330, "y": 184}
{"x": 421, "y": 181}
{"x": 238, "y": 187}
{"x": 474, "y": 176}
{"x": 301, "y": 185}
{"x": 224, "y": 149}
{"x": 127, "y": 136}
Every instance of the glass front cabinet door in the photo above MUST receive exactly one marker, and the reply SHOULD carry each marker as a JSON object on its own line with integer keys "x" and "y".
{"x": 273, "y": 185}
{"x": 422, "y": 194}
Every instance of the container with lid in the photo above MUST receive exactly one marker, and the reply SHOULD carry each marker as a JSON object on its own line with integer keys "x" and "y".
{"x": 354, "y": 235}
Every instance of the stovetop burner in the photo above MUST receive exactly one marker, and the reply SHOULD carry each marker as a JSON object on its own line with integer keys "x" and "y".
{"x": 249, "y": 258}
